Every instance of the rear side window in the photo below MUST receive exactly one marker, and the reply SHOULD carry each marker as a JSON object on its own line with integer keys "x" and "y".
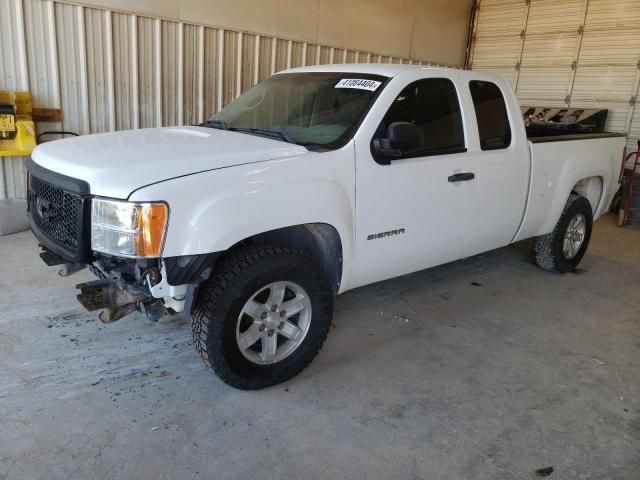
{"x": 491, "y": 114}
{"x": 431, "y": 104}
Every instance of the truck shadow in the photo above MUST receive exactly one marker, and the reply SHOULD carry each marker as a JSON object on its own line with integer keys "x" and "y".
{"x": 488, "y": 299}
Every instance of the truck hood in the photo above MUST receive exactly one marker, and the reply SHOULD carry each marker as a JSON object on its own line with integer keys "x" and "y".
{"x": 115, "y": 164}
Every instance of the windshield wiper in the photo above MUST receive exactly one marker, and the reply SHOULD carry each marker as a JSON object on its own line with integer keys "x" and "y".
{"x": 221, "y": 124}
{"x": 267, "y": 132}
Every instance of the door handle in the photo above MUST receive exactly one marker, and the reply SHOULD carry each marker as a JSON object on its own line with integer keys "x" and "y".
{"x": 461, "y": 177}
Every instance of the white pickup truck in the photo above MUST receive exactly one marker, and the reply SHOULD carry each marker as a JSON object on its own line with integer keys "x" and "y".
{"x": 316, "y": 181}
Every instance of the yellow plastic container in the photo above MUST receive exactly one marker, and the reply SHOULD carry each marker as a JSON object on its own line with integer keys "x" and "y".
{"x": 17, "y": 130}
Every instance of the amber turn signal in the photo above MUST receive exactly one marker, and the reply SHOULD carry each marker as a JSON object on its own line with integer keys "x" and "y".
{"x": 151, "y": 223}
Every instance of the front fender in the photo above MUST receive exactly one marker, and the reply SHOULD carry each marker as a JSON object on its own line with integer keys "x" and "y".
{"x": 211, "y": 211}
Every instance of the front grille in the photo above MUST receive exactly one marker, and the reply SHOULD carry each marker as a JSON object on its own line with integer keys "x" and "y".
{"x": 56, "y": 213}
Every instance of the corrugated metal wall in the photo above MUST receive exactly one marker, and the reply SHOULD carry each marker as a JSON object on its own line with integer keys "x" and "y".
{"x": 110, "y": 70}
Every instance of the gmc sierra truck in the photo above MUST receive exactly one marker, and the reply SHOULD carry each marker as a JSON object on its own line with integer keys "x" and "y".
{"x": 316, "y": 181}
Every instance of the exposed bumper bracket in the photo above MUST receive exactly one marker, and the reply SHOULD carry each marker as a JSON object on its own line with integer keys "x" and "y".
{"x": 116, "y": 300}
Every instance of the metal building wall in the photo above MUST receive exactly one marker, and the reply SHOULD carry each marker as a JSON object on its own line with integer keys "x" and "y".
{"x": 110, "y": 70}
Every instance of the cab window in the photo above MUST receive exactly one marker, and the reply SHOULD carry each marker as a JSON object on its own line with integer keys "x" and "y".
{"x": 432, "y": 105}
{"x": 491, "y": 115}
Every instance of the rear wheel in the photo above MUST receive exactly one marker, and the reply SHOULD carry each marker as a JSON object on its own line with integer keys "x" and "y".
{"x": 263, "y": 316}
{"x": 563, "y": 248}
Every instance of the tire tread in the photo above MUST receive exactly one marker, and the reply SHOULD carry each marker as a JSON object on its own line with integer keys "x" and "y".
{"x": 546, "y": 256}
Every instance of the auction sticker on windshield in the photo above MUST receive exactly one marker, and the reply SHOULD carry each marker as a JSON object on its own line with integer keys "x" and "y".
{"x": 359, "y": 83}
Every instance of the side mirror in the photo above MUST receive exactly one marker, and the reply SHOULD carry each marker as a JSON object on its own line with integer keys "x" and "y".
{"x": 402, "y": 138}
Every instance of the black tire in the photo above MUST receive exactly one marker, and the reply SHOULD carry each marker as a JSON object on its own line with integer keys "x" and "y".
{"x": 548, "y": 248}
{"x": 220, "y": 300}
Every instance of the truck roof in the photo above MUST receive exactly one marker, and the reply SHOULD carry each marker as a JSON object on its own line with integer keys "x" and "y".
{"x": 386, "y": 69}
{"x": 393, "y": 69}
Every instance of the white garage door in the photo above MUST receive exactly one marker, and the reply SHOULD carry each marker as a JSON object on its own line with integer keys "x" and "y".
{"x": 569, "y": 53}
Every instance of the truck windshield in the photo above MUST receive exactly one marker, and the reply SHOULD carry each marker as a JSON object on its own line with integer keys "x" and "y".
{"x": 315, "y": 109}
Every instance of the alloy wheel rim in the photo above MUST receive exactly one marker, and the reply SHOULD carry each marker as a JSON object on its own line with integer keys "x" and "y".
{"x": 273, "y": 323}
{"x": 574, "y": 236}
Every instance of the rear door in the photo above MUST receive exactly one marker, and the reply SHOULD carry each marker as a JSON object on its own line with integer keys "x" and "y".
{"x": 416, "y": 211}
{"x": 501, "y": 149}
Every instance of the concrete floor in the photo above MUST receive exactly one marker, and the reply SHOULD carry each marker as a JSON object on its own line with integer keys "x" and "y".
{"x": 487, "y": 368}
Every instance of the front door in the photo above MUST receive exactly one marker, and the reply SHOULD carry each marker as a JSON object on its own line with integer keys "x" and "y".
{"x": 417, "y": 210}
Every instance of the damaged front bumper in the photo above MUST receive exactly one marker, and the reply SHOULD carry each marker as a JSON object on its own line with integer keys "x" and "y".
{"x": 152, "y": 286}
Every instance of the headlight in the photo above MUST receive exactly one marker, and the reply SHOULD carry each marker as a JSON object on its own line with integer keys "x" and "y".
{"x": 128, "y": 229}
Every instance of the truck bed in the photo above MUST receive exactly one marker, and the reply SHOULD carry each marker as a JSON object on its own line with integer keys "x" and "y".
{"x": 555, "y": 169}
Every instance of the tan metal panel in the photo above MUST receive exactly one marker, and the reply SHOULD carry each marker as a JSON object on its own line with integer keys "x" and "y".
{"x": 547, "y": 16}
{"x": 281, "y": 55}
{"x": 555, "y": 49}
{"x": 506, "y": 72}
{"x": 497, "y": 40}
{"x": 297, "y": 51}
{"x": 546, "y": 61}
{"x": 170, "y": 60}
{"x": 41, "y": 54}
{"x": 98, "y": 88}
{"x": 192, "y": 74}
{"x": 15, "y": 177}
{"x": 250, "y": 68}
{"x": 13, "y": 62}
{"x": 607, "y": 83}
{"x": 499, "y": 18}
{"x": 604, "y": 47}
{"x": 123, "y": 80}
{"x": 494, "y": 51}
{"x": 265, "y": 63}
{"x": 313, "y": 54}
{"x": 210, "y": 71}
{"x": 497, "y": 37}
{"x": 72, "y": 67}
{"x": 148, "y": 68}
{"x": 613, "y": 13}
{"x": 612, "y": 41}
{"x": 555, "y": 80}
{"x": 41, "y": 57}
{"x": 231, "y": 67}
{"x": 535, "y": 102}
{"x": 325, "y": 55}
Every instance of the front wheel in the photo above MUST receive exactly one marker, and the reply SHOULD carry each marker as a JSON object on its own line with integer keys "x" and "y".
{"x": 263, "y": 316}
{"x": 563, "y": 248}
